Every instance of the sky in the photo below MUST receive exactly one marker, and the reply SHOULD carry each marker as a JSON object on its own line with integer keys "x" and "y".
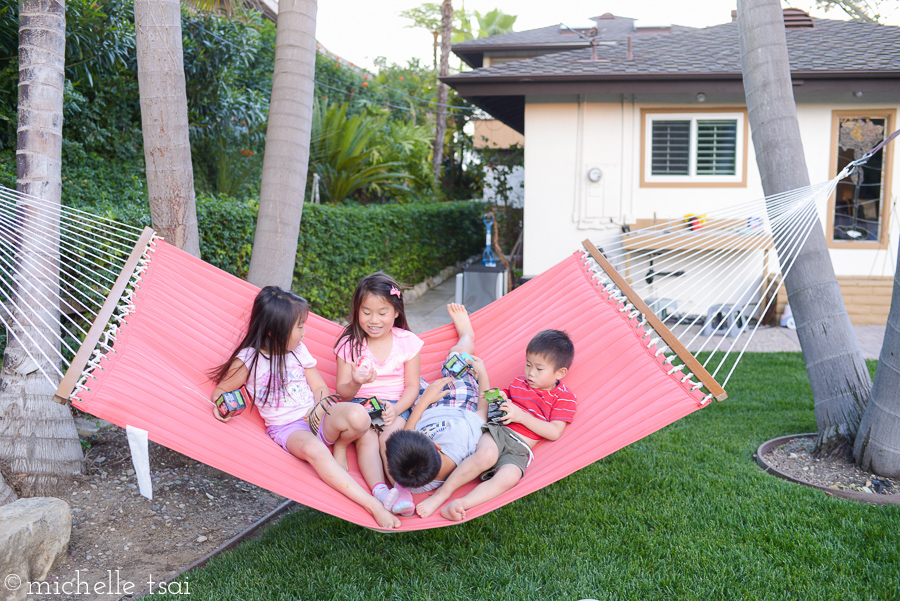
{"x": 362, "y": 30}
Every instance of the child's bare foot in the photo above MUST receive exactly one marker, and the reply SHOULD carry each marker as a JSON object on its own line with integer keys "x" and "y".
{"x": 428, "y": 506}
{"x": 340, "y": 455}
{"x": 385, "y": 518}
{"x": 454, "y": 511}
{"x": 461, "y": 321}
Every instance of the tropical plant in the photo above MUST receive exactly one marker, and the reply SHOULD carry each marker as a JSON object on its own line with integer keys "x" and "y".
{"x": 344, "y": 155}
{"x": 494, "y": 22}
{"x": 407, "y": 89}
{"x": 407, "y": 146}
{"x": 228, "y": 70}
{"x": 100, "y": 83}
{"x": 867, "y": 11}
{"x": 428, "y": 16}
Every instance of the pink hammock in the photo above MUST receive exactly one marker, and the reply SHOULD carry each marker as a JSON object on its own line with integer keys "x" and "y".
{"x": 188, "y": 316}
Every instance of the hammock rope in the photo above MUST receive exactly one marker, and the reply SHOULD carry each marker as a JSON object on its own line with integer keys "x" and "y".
{"x": 729, "y": 241}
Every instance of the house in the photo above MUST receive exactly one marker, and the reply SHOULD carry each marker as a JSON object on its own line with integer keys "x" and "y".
{"x": 604, "y": 112}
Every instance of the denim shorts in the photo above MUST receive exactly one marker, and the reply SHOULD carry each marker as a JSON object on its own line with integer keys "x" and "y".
{"x": 405, "y": 415}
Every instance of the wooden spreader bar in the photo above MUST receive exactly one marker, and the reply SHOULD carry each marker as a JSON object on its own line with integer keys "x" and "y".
{"x": 67, "y": 385}
{"x": 656, "y": 323}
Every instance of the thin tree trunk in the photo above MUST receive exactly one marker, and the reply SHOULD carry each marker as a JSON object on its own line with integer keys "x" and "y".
{"x": 440, "y": 128}
{"x": 877, "y": 448}
{"x": 286, "y": 161}
{"x": 835, "y": 366}
{"x": 164, "y": 121}
{"x": 38, "y": 439}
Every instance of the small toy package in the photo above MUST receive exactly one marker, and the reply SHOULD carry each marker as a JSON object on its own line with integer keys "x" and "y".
{"x": 457, "y": 364}
{"x": 494, "y": 398}
{"x": 375, "y": 408}
{"x": 233, "y": 402}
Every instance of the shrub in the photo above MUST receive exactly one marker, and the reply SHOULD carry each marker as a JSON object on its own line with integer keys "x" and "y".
{"x": 339, "y": 245}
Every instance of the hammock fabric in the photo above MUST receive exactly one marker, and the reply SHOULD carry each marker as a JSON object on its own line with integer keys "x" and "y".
{"x": 188, "y": 316}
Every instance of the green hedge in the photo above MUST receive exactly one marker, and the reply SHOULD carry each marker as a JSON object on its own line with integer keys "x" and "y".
{"x": 339, "y": 245}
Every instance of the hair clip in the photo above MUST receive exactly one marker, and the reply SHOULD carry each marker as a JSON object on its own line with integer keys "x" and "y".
{"x": 395, "y": 292}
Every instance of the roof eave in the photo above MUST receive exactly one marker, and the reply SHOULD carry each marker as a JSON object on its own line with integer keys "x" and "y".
{"x": 504, "y": 97}
{"x": 798, "y": 77}
{"x": 474, "y": 55}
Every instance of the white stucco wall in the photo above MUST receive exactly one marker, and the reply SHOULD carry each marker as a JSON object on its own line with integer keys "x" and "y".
{"x": 565, "y": 139}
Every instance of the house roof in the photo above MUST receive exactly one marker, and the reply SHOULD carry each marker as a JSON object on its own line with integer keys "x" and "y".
{"x": 863, "y": 55}
{"x": 554, "y": 38}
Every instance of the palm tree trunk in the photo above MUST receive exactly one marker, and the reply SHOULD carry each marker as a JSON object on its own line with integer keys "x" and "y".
{"x": 286, "y": 161}
{"x": 38, "y": 439}
{"x": 837, "y": 372}
{"x": 440, "y": 128}
{"x": 164, "y": 121}
{"x": 875, "y": 448}
{"x": 7, "y": 495}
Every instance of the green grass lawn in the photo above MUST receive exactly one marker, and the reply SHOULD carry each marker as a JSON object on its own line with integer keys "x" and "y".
{"x": 682, "y": 514}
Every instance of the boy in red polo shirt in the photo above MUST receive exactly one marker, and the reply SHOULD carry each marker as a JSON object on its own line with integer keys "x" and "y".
{"x": 537, "y": 406}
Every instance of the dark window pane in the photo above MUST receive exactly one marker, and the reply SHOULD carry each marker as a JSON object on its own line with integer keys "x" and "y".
{"x": 859, "y": 197}
{"x": 670, "y": 148}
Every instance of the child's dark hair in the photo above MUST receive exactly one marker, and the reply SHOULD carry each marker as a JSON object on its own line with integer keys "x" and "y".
{"x": 412, "y": 458}
{"x": 274, "y": 316}
{"x": 381, "y": 285}
{"x": 553, "y": 345}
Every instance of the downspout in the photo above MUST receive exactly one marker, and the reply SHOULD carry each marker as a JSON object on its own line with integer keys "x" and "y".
{"x": 579, "y": 159}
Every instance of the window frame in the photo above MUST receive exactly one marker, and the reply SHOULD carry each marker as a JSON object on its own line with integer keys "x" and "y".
{"x": 887, "y": 161}
{"x": 738, "y": 180}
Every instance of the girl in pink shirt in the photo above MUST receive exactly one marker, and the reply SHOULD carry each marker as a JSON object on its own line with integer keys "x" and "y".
{"x": 378, "y": 356}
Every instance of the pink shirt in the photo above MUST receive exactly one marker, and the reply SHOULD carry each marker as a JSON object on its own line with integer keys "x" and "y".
{"x": 390, "y": 382}
{"x": 293, "y": 400}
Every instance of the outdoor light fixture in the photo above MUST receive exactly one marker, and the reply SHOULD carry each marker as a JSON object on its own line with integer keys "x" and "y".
{"x": 857, "y": 94}
{"x": 595, "y": 174}
{"x": 701, "y": 97}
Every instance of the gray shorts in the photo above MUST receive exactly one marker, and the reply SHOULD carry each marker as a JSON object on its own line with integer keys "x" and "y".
{"x": 512, "y": 450}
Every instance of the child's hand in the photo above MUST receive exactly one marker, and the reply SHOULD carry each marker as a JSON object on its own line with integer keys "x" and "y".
{"x": 387, "y": 413}
{"x": 478, "y": 367}
{"x": 218, "y": 416}
{"x": 512, "y": 413}
{"x": 435, "y": 390}
{"x": 362, "y": 377}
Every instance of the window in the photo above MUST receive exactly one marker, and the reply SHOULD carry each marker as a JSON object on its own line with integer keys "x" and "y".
{"x": 684, "y": 148}
{"x": 858, "y": 212}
